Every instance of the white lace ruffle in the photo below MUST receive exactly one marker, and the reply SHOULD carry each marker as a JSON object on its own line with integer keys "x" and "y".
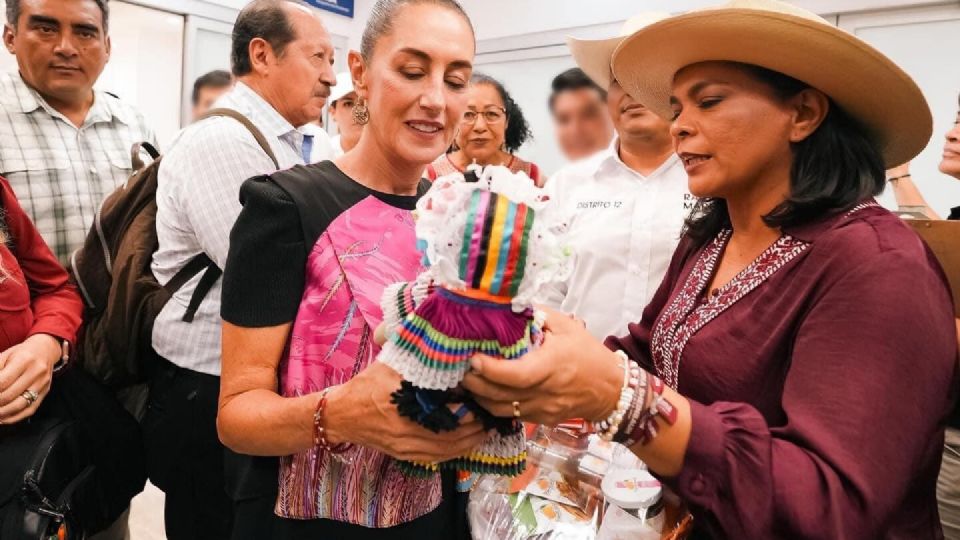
{"x": 441, "y": 221}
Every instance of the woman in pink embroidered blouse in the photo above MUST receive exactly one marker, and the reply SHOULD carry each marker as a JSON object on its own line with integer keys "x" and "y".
{"x": 310, "y": 255}
{"x": 804, "y": 334}
{"x": 490, "y": 133}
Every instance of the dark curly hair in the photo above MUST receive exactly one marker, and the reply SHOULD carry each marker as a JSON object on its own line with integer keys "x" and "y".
{"x": 518, "y": 130}
{"x": 833, "y": 170}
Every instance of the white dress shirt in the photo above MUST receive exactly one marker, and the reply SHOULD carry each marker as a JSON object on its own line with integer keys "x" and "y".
{"x": 623, "y": 231}
{"x": 61, "y": 173}
{"x": 322, "y": 148}
{"x": 197, "y": 203}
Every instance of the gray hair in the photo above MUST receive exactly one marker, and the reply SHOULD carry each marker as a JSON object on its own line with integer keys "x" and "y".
{"x": 13, "y": 12}
{"x": 381, "y": 18}
{"x": 264, "y": 19}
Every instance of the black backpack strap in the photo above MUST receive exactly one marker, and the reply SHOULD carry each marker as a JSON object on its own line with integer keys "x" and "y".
{"x": 257, "y": 134}
{"x": 193, "y": 267}
{"x": 202, "y": 261}
{"x": 207, "y": 280}
{"x": 135, "y": 160}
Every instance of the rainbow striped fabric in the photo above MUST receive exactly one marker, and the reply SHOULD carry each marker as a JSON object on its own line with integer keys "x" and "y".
{"x": 494, "y": 250}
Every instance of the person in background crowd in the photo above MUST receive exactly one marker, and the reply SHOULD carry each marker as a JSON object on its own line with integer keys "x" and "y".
{"x": 804, "y": 335}
{"x": 580, "y": 118}
{"x": 342, "y": 101}
{"x": 905, "y": 190}
{"x": 207, "y": 88}
{"x": 491, "y": 131}
{"x": 281, "y": 56}
{"x": 328, "y": 238}
{"x": 627, "y": 203}
{"x": 66, "y": 146}
{"x": 317, "y": 144}
{"x": 907, "y": 194}
{"x": 40, "y": 313}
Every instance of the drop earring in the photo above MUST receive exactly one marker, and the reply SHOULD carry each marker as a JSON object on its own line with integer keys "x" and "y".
{"x": 361, "y": 114}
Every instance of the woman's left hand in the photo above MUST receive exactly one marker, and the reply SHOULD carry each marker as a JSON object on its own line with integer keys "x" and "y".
{"x": 572, "y": 375}
{"x": 26, "y": 367}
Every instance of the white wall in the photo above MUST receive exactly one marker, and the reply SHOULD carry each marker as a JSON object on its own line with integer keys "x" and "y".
{"x": 499, "y": 18}
{"x": 146, "y": 64}
{"x": 924, "y": 42}
{"x": 526, "y": 50}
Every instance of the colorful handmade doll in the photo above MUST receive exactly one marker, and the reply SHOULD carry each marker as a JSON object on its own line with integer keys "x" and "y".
{"x": 491, "y": 248}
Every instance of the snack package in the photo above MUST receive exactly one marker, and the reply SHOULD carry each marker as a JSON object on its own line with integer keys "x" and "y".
{"x": 495, "y": 514}
{"x": 491, "y": 248}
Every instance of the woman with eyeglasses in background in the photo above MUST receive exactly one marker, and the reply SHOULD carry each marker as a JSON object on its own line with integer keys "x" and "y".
{"x": 491, "y": 130}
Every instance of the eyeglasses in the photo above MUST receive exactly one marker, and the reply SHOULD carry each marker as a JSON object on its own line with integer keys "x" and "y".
{"x": 490, "y": 116}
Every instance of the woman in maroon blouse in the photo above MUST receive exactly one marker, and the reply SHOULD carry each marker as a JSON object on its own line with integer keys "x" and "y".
{"x": 804, "y": 334}
{"x": 39, "y": 312}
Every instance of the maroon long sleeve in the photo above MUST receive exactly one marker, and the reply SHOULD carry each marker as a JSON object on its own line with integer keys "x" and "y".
{"x": 37, "y": 296}
{"x": 819, "y": 399}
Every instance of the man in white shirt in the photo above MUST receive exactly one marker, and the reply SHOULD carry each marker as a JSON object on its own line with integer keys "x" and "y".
{"x": 628, "y": 204}
{"x": 342, "y": 100}
{"x": 317, "y": 144}
{"x": 64, "y": 146}
{"x": 282, "y": 59}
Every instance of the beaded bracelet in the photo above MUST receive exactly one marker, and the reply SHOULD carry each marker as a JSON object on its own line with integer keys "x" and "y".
{"x": 631, "y": 379}
{"x": 645, "y": 425}
{"x": 633, "y": 416}
{"x": 319, "y": 431}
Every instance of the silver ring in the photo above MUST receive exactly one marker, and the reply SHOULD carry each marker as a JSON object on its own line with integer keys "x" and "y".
{"x": 30, "y": 396}
{"x": 516, "y": 409}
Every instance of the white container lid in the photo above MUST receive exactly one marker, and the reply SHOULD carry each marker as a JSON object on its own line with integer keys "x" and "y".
{"x": 631, "y": 489}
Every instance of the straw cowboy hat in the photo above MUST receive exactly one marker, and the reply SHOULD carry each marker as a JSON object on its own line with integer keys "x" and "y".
{"x": 784, "y": 38}
{"x": 594, "y": 55}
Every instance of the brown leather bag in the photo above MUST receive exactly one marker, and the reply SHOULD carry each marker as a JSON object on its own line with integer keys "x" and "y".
{"x": 121, "y": 296}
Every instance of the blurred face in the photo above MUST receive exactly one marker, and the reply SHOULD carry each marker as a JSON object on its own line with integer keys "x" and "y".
{"x": 581, "y": 121}
{"x": 415, "y": 84}
{"x": 951, "y": 151}
{"x": 299, "y": 80}
{"x": 342, "y": 114}
{"x": 61, "y": 47}
{"x": 731, "y": 131}
{"x": 483, "y": 127}
{"x": 631, "y": 119}
{"x": 206, "y": 97}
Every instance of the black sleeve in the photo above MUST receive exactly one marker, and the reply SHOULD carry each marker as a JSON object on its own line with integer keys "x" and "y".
{"x": 265, "y": 272}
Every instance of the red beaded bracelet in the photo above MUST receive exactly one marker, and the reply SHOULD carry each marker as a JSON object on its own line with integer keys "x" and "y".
{"x": 319, "y": 432}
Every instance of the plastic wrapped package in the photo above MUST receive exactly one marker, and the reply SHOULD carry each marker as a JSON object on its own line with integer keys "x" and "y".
{"x": 576, "y": 486}
{"x": 556, "y": 498}
{"x": 497, "y": 514}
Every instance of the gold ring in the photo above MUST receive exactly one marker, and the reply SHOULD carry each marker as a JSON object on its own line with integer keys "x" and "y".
{"x": 516, "y": 409}
{"x": 30, "y": 396}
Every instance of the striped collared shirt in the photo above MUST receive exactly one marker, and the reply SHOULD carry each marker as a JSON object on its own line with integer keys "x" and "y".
{"x": 61, "y": 173}
{"x": 198, "y": 200}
